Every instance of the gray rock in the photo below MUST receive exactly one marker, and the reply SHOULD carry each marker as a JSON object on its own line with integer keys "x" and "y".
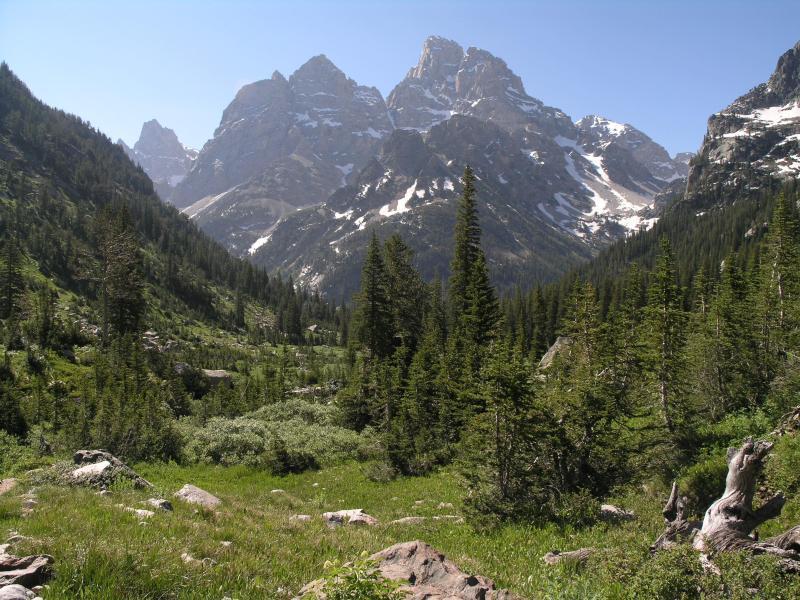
{"x": 559, "y": 347}
{"x": 353, "y": 516}
{"x": 611, "y": 513}
{"x": 160, "y": 504}
{"x": 300, "y": 518}
{"x": 194, "y": 495}
{"x": 427, "y": 575}
{"x": 99, "y": 468}
{"x": 6, "y": 485}
{"x": 16, "y": 592}
{"x": 408, "y": 521}
{"x": 27, "y": 570}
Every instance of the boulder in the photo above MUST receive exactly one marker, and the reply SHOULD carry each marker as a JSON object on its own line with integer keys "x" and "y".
{"x": 218, "y": 376}
{"x": 300, "y": 518}
{"x": 89, "y": 474}
{"x": 353, "y": 516}
{"x": 16, "y": 592}
{"x": 615, "y": 514}
{"x": 194, "y": 495}
{"x": 139, "y": 512}
{"x": 99, "y": 468}
{"x": 160, "y": 504}
{"x": 27, "y": 570}
{"x": 426, "y": 574}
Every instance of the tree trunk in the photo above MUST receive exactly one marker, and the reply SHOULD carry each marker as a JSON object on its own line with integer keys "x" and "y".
{"x": 729, "y": 521}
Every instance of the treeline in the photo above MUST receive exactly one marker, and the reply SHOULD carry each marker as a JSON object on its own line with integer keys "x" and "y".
{"x": 646, "y": 370}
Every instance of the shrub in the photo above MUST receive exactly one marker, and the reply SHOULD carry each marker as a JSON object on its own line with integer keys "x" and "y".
{"x": 670, "y": 575}
{"x": 230, "y": 442}
{"x": 379, "y": 471}
{"x": 359, "y": 580}
{"x": 704, "y": 481}
{"x": 286, "y": 437}
{"x": 14, "y": 457}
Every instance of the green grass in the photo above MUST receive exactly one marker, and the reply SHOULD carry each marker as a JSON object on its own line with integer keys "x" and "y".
{"x": 103, "y": 552}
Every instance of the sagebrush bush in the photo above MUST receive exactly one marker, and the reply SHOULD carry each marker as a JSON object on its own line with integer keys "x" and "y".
{"x": 286, "y": 437}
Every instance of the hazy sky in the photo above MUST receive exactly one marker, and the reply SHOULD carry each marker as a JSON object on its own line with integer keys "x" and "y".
{"x": 664, "y": 66}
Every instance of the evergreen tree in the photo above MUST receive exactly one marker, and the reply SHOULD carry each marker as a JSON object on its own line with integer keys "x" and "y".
{"x": 12, "y": 280}
{"x": 406, "y": 291}
{"x": 121, "y": 278}
{"x": 467, "y": 239}
{"x": 666, "y": 338}
{"x": 373, "y": 315}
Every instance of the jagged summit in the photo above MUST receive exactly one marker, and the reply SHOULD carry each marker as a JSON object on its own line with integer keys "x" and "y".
{"x": 756, "y": 138}
{"x": 161, "y": 154}
{"x": 289, "y": 151}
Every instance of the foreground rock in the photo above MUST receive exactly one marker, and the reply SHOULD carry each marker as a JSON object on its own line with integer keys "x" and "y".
{"x": 194, "y": 495}
{"x": 353, "y": 516}
{"x": 16, "y": 592}
{"x": 98, "y": 468}
{"x": 426, "y": 575}
{"x": 28, "y": 571}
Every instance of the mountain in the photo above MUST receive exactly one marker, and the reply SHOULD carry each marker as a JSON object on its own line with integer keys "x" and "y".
{"x": 552, "y": 192}
{"x": 750, "y": 153}
{"x": 282, "y": 144}
{"x": 165, "y": 160}
{"x": 58, "y": 177}
{"x": 754, "y": 140}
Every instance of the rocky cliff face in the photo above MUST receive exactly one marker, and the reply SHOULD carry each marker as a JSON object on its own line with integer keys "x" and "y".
{"x": 282, "y": 144}
{"x": 300, "y": 168}
{"x": 159, "y": 152}
{"x": 755, "y": 139}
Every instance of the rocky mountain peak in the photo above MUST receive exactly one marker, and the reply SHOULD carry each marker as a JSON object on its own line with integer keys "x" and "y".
{"x": 318, "y": 71}
{"x": 601, "y": 126}
{"x": 161, "y": 154}
{"x": 439, "y": 60}
{"x": 785, "y": 81}
{"x": 756, "y": 137}
{"x": 155, "y": 140}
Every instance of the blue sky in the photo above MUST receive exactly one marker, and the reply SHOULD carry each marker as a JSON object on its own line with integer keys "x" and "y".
{"x": 663, "y": 66}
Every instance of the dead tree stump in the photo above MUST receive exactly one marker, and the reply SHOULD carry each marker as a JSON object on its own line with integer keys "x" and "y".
{"x": 729, "y": 521}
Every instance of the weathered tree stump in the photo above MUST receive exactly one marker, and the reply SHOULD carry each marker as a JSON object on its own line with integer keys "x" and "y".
{"x": 679, "y": 528}
{"x": 579, "y": 556}
{"x": 729, "y": 521}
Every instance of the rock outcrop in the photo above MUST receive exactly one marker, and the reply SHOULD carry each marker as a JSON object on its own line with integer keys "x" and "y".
{"x": 754, "y": 140}
{"x": 28, "y": 571}
{"x": 99, "y": 468}
{"x": 426, "y": 574}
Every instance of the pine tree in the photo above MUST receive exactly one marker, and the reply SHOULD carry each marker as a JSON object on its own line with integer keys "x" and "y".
{"x": 406, "y": 291}
{"x": 12, "y": 280}
{"x": 467, "y": 239}
{"x": 666, "y": 333}
{"x": 121, "y": 278}
{"x": 373, "y": 307}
